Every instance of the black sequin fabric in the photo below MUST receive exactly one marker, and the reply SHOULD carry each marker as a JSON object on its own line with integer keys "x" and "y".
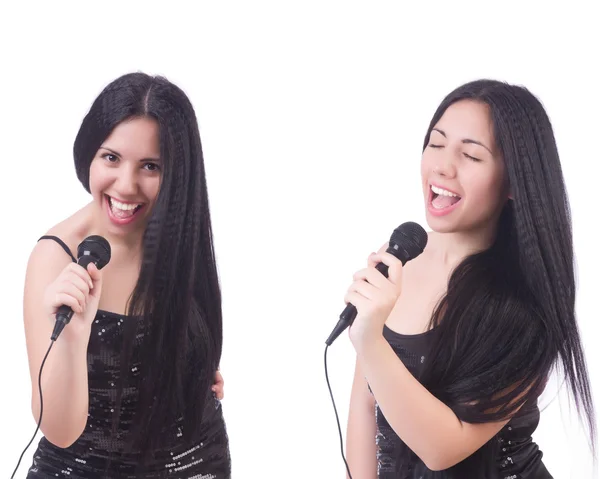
{"x": 519, "y": 457}
{"x": 100, "y": 453}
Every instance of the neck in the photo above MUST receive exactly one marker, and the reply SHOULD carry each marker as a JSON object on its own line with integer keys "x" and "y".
{"x": 452, "y": 248}
{"x": 124, "y": 246}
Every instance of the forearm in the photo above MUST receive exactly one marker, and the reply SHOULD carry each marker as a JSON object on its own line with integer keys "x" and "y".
{"x": 65, "y": 392}
{"x": 427, "y": 426}
{"x": 361, "y": 450}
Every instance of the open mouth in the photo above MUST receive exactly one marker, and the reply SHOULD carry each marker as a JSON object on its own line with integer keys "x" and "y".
{"x": 123, "y": 211}
{"x": 442, "y": 199}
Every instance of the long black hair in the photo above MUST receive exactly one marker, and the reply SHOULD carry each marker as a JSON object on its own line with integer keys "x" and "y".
{"x": 508, "y": 316}
{"x": 176, "y": 302}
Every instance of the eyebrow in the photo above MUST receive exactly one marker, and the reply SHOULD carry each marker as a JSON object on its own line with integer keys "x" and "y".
{"x": 114, "y": 152}
{"x": 465, "y": 140}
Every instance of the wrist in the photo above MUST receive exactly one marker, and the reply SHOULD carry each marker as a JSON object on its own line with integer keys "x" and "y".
{"x": 367, "y": 340}
{"x": 75, "y": 337}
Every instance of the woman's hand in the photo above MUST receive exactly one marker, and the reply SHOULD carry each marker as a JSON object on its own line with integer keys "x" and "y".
{"x": 374, "y": 296}
{"x": 79, "y": 289}
{"x": 218, "y": 387}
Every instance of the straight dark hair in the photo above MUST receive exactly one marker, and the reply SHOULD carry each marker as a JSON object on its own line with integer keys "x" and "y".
{"x": 176, "y": 303}
{"x": 508, "y": 317}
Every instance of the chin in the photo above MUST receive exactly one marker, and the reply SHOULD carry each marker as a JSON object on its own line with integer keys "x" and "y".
{"x": 441, "y": 226}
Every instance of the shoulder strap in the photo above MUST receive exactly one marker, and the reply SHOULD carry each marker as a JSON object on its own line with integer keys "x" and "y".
{"x": 62, "y": 243}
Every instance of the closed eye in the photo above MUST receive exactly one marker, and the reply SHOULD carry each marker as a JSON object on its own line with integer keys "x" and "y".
{"x": 472, "y": 157}
{"x": 431, "y": 145}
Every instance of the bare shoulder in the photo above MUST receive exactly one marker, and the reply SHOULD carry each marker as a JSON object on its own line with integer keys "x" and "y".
{"x": 70, "y": 231}
{"x": 48, "y": 258}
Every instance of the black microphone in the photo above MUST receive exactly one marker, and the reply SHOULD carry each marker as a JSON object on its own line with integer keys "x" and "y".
{"x": 407, "y": 242}
{"x": 94, "y": 249}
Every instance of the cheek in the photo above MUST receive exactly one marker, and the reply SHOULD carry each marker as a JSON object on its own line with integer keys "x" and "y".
{"x": 426, "y": 167}
{"x": 151, "y": 188}
{"x": 487, "y": 190}
{"x": 99, "y": 179}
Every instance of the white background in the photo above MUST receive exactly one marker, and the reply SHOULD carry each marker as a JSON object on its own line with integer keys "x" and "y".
{"x": 312, "y": 117}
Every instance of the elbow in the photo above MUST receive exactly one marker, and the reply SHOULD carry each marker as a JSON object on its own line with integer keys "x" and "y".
{"x": 434, "y": 465}
{"x": 60, "y": 433}
{"x": 437, "y": 465}
{"x": 440, "y": 462}
{"x": 61, "y": 442}
{"x": 63, "y": 437}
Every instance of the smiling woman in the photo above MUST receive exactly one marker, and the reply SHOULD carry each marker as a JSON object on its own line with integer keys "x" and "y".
{"x": 128, "y": 388}
{"x": 125, "y": 174}
{"x": 454, "y": 348}
{"x": 461, "y": 167}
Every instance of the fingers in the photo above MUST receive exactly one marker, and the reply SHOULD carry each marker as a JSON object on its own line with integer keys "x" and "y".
{"x": 94, "y": 272}
{"x": 74, "y": 284}
{"x": 76, "y": 292}
{"x": 372, "y": 260}
{"x": 372, "y": 276}
{"x": 96, "y": 276}
{"x": 355, "y": 298}
{"x": 366, "y": 290}
{"x": 394, "y": 265}
{"x": 78, "y": 270}
{"x": 68, "y": 300}
{"x": 82, "y": 284}
{"x": 384, "y": 248}
{"x": 219, "y": 386}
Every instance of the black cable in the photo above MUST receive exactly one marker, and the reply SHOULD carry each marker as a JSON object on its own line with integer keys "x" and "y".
{"x": 336, "y": 415}
{"x": 41, "y": 410}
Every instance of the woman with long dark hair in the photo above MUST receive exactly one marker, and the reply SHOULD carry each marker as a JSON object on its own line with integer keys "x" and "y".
{"x": 454, "y": 348}
{"x": 127, "y": 386}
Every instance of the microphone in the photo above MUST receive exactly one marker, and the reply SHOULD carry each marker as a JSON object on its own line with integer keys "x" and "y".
{"x": 407, "y": 242}
{"x": 94, "y": 249}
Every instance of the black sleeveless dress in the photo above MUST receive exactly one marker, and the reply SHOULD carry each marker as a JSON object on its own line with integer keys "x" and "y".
{"x": 519, "y": 457}
{"x": 99, "y": 453}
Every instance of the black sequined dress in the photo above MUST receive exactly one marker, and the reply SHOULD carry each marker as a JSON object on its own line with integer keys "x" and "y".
{"x": 100, "y": 453}
{"x": 519, "y": 457}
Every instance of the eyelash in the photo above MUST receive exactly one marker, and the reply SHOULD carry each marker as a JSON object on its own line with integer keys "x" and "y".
{"x": 106, "y": 156}
{"x": 431, "y": 145}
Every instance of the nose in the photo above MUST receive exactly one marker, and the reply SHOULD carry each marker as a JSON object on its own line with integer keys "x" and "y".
{"x": 446, "y": 164}
{"x": 127, "y": 183}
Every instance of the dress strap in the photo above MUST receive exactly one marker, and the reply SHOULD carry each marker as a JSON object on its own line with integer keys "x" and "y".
{"x": 62, "y": 243}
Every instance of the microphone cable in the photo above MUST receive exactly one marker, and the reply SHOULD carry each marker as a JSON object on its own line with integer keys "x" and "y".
{"x": 41, "y": 409}
{"x": 336, "y": 415}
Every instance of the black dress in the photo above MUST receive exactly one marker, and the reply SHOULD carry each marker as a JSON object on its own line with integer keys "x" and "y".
{"x": 519, "y": 457}
{"x": 100, "y": 453}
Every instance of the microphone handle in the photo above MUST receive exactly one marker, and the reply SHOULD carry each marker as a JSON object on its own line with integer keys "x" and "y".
{"x": 349, "y": 314}
{"x": 65, "y": 313}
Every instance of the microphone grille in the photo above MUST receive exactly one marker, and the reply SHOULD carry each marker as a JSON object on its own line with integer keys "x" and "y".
{"x": 411, "y": 236}
{"x": 97, "y": 246}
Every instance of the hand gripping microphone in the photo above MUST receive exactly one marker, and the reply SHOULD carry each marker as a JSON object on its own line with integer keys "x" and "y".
{"x": 93, "y": 249}
{"x": 407, "y": 242}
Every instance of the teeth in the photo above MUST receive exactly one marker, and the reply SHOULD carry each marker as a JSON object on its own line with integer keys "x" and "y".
{"x": 440, "y": 191}
{"x": 123, "y": 206}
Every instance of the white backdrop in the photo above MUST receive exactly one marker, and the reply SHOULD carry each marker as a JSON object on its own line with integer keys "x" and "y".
{"x": 312, "y": 116}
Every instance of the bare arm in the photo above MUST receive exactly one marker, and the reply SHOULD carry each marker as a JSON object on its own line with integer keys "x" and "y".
{"x": 52, "y": 280}
{"x": 360, "y": 435}
{"x": 423, "y": 422}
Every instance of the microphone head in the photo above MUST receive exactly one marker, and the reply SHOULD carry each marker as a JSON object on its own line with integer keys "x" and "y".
{"x": 94, "y": 249}
{"x": 408, "y": 241}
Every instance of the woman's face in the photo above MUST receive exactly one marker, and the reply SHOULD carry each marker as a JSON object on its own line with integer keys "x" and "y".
{"x": 125, "y": 175}
{"x": 464, "y": 179}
